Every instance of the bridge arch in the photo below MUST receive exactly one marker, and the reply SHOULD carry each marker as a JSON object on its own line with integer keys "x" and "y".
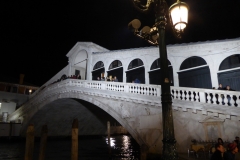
{"x": 194, "y": 72}
{"x": 104, "y": 105}
{"x": 229, "y": 72}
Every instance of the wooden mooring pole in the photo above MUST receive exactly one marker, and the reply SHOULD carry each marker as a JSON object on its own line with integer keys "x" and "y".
{"x": 29, "y": 143}
{"x": 74, "y": 154}
{"x": 43, "y": 142}
{"x": 109, "y": 142}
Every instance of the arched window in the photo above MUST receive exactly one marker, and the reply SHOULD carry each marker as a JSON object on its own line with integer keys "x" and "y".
{"x": 232, "y": 61}
{"x": 155, "y": 72}
{"x": 156, "y": 64}
{"x": 229, "y": 72}
{"x": 194, "y": 72}
{"x": 115, "y": 64}
{"x": 192, "y": 62}
{"x": 135, "y": 63}
{"x": 99, "y": 64}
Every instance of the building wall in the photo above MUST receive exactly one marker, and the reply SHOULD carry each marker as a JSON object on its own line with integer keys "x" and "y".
{"x": 213, "y": 52}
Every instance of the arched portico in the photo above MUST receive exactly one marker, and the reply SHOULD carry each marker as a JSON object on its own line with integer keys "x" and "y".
{"x": 136, "y": 70}
{"x": 194, "y": 72}
{"x": 98, "y": 70}
{"x": 155, "y": 73}
{"x": 229, "y": 72}
{"x": 116, "y": 69}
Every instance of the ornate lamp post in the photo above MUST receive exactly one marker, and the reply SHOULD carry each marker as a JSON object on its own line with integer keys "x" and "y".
{"x": 177, "y": 14}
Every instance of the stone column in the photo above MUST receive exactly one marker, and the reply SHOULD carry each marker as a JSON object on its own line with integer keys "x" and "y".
{"x": 146, "y": 76}
{"x": 124, "y": 76}
{"x": 214, "y": 76}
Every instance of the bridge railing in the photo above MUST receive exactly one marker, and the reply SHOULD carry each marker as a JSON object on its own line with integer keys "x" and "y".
{"x": 210, "y": 96}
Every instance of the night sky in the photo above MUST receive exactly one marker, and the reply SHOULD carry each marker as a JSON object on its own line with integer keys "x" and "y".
{"x": 36, "y": 36}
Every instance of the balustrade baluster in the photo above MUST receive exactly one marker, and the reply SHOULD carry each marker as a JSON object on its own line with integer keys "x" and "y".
{"x": 130, "y": 88}
{"x": 173, "y": 93}
{"x": 231, "y": 100}
{"x": 214, "y": 99}
{"x": 179, "y": 94}
{"x": 225, "y": 99}
{"x": 187, "y": 96}
{"x": 192, "y": 95}
{"x": 143, "y": 90}
{"x": 208, "y": 97}
{"x": 220, "y": 100}
{"x": 137, "y": 90}
{"x": 238, "y": 100}
{"x": 184, "y": 95}
{"x": 197, "y": 96}
{"x": 151, "y": 91}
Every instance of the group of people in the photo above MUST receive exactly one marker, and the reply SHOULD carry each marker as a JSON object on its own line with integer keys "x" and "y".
{"x": 74, "y": 76}
{"x": 67, "y": 77}
{"x": 226, "y": 151}
{"x": 227, "y": 88}
{"x": 114, "y": 79}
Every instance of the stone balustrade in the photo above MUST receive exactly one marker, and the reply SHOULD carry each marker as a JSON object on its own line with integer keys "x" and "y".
{"x": 211, "y": 96}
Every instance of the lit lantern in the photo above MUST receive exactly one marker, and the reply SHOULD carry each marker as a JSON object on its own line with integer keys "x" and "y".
{"x": 179, "y": 15}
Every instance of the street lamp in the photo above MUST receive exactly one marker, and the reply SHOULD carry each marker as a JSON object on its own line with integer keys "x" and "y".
{"x": 177, "y": 15}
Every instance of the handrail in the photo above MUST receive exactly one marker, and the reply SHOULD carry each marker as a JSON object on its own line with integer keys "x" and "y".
{"x": 210, "y": 96}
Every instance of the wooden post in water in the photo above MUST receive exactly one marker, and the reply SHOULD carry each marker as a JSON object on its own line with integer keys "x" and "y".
{"x": 74, "y": 154}
{"x": 43, "y": 142}
{"x": 109, "y": 142}
{"x": 10, "y": 130}
{"x": 29, "y": 143}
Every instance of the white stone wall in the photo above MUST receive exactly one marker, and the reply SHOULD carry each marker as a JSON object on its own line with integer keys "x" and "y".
{"x": 80, "y": 58}
{"x": 213, "y": 52}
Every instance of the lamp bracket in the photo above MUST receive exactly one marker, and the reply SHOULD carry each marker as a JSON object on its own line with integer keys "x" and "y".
{"x": 143, "y": 8}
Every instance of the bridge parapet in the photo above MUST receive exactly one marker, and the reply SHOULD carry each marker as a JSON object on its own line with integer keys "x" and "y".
{"x": 209, "y": 96}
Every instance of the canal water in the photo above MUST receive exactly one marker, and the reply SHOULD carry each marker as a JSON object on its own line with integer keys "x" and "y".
{"x": 123, "y": 147}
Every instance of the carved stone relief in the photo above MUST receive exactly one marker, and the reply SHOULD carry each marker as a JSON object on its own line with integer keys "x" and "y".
{"x": 213, "y": 128}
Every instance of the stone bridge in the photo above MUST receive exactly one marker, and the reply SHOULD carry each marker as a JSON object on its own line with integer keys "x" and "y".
{"x": 198, "y": 113}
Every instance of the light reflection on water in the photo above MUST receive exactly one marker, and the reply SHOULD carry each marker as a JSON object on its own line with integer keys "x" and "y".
{"x": 123, "y": 148}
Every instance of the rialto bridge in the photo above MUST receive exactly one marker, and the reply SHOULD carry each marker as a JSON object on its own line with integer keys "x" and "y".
{"x": 199, "y": 111}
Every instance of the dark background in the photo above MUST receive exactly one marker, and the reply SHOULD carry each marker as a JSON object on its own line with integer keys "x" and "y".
{"x": 36, "y": 36}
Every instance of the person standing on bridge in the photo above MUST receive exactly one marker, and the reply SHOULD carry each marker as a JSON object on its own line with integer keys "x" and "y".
{"x": 78, "y": 76}
{"x": 115, "y": 79}
{"x": 219, "y": 154}
{"x": 232, "y": 150}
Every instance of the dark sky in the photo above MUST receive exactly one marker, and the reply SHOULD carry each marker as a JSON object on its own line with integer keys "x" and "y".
{"x": 36, "y": 36}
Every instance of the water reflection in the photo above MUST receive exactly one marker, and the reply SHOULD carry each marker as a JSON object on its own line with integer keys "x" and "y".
{"x": 123, "y": 147}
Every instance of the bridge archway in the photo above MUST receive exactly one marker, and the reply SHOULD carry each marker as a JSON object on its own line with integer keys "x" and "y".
{"x": 194, "y": 72}
{"x": 116, "y": 69}
{"x": 155, "y": 73}
{"x": 136, "y": 70}
{"x": 98, "y": 70}
{"x": 229, "y": 72}
{"x": 104, "y": 105}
